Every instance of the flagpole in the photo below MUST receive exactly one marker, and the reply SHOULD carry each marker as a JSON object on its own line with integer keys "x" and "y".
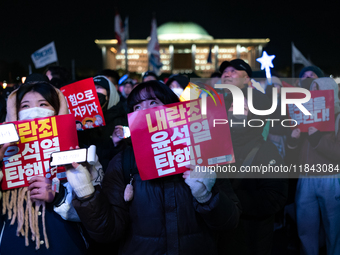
{"x": 126, "y": 37}
{"x": 153, "y": 48}
{"x": 293, "y": 71}
{"x": 126, "y": 60}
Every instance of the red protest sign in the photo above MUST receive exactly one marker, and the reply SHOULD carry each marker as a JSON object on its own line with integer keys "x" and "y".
{"x": 167, "y": 138}
{"x": 84, "y": 104}
{"x": 321, "y": 107}
{"x": 286, "y": 85}
{"x": 31, "y": 155}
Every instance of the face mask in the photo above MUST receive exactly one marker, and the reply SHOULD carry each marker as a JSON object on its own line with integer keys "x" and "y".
{"x": 102, "y": 100}
{"x": 177, "y": 91}
{"x": 35, "y": 112}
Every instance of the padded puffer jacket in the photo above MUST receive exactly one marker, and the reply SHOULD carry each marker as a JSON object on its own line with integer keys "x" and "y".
{"x": 162, "y": 218}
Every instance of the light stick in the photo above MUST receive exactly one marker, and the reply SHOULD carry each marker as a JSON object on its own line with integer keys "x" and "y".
{"x": 266, "y": 63}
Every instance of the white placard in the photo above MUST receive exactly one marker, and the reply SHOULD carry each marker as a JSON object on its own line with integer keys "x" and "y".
{"x": 68, "y": 157}
{"x": 8, "y": 133}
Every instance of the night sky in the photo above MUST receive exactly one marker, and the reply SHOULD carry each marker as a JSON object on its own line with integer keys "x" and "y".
{"x": 27, "y": 26}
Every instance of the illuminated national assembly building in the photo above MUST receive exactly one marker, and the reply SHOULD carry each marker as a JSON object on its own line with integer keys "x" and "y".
{"x": 184, "y": 48}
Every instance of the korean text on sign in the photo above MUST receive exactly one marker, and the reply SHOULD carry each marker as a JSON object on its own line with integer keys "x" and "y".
{"x": 178, "y": 135}
{"x": 84, "y": 104}
{"x": 31, "y": 155}
{"x": 321, "y": 107}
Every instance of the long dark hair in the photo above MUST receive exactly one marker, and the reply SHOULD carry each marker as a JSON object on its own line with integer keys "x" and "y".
{"x": 45, "y": 89}
{"x": 148, "y": 90}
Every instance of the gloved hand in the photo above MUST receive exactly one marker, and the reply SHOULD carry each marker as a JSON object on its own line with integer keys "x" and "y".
{"x": 80, "y": 180}
{"x": 200, "y": 183}
{"x": 293, "y": 139}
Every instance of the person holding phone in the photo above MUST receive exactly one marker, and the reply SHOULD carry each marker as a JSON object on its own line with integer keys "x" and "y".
{"x": 31, "y": 224}
{"x": 177, "y": 214}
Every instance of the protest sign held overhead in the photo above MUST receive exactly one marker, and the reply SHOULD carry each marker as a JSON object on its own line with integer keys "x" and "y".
{"x": 31, "y": 155}
{"x": 321, "y": 107}
{"x": 170, "y": 137}
{"x": 83, "y": 103}
{"x": 44, "y": 56}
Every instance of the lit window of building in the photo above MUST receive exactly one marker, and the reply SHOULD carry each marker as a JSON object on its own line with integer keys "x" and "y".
{"x": 184, "y": 48}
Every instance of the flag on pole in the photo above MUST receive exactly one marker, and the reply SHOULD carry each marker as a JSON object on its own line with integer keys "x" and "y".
{"x": 209, "y": 55}
{"x": 119, "y": 32}
{"x": 126, "y": 28}
{"x": 298, "y": 58}
{"x": 153, "y": 48}
{"x": 45, "y": 55}
{"x": 124, "y": 45}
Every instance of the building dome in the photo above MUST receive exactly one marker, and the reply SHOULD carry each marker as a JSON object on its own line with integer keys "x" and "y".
{"x": 182, "y": 31}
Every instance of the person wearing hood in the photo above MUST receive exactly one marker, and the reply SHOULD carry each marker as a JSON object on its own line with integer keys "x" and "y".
{"x": 317, "y": 192}
{"x": 114, "y": 115}
{"x": 177, "y": 83}
{"x": 33, "y": 217}
{"x": 260, "y": 198}
{"x": 112, "y": 75}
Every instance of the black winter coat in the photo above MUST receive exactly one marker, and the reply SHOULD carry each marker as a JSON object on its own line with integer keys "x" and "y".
{"x": 101, "y": 136}
{"x": 260, "y": 199}
{"x": 162, "y": 218}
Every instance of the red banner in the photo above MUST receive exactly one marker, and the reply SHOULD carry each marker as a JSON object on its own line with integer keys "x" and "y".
{"x": 31, "y": 155}
{"x": 167, "y": 138}
{"x": 83, "y": 102}
{"x": 321, "y": 107}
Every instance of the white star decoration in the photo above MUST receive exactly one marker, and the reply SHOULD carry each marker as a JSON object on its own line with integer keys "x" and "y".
{"x": 265, "y": 60}
{"x": 266, "y": 63}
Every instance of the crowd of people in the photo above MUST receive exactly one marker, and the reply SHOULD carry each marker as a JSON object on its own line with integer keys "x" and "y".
{"x": 106, "y": 208}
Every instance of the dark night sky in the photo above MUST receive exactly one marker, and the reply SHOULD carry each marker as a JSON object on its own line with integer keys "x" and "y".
{"x": 27, "y": 26}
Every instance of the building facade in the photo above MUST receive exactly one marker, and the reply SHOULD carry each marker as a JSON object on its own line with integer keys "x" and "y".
{"x": 184, "y": 48}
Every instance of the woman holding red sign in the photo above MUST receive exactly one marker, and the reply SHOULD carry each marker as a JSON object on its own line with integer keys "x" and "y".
{"x": 28, "y": 212}
{"x": 317, "y": 197}
{"x": 177, "y": 214}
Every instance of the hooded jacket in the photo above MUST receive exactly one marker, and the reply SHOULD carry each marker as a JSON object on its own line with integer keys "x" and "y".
{"x": 101, "y": 136}
{"x": 64, "y": 237}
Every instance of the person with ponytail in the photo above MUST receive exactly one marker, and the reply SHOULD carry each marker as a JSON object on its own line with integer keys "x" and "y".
{"x": 177, "y": 214}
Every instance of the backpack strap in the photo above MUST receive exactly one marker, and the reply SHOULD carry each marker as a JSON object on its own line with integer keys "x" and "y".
{"x": 129, "y": 164}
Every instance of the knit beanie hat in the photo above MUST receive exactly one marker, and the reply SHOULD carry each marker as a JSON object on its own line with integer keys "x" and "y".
{"x": 314, "y": 69}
